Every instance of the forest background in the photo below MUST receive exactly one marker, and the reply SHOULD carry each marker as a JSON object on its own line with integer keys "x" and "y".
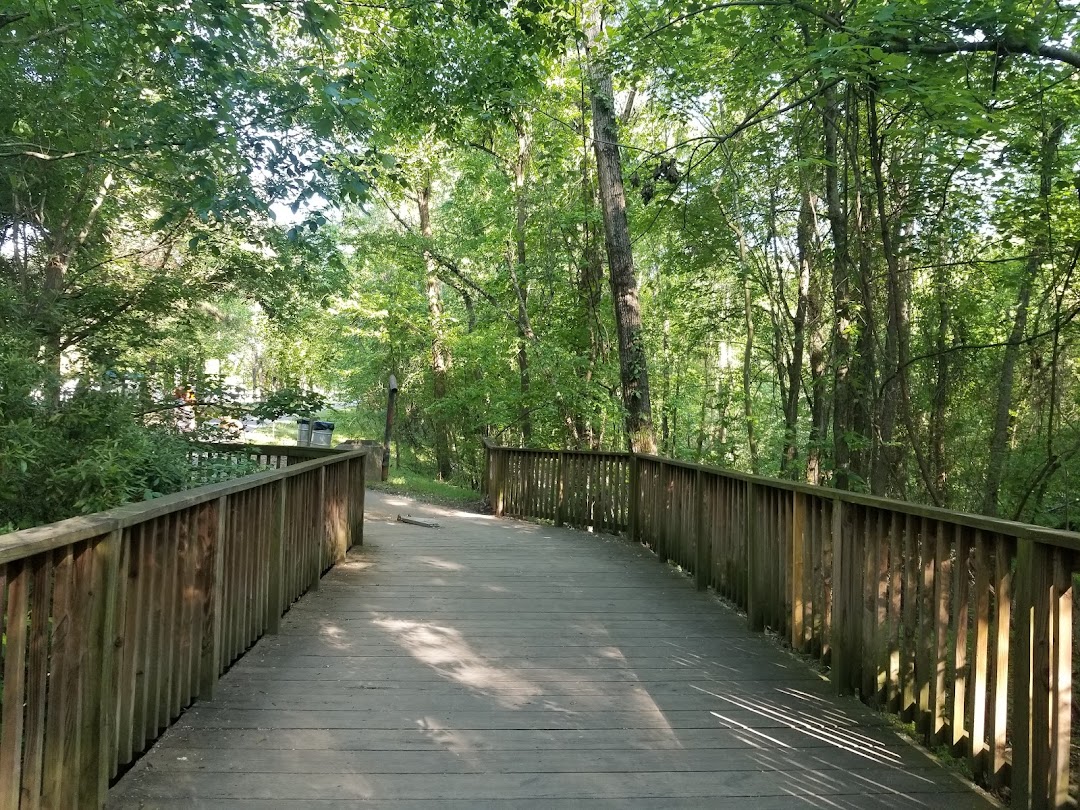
{"x": 832, "y": 241}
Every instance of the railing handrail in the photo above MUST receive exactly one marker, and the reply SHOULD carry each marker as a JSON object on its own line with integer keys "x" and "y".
{"x": 263, "y": 449}
{"x": 28, "y": 542}
{"x": 1026, "y": 531}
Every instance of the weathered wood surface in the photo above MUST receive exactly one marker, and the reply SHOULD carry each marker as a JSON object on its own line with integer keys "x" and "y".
{"x": 501, "y": 664}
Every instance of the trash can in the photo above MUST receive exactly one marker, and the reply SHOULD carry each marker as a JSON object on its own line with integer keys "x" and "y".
{"x": 303, "y": 432}
{"x": 321, "y": 434}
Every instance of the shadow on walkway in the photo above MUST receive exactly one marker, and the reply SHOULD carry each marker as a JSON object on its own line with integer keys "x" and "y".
{"x": 494, "y": 663}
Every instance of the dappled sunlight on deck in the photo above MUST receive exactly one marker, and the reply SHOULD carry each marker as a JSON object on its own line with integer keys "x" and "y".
{"x": 443, "y": 649}
{"x": 494, "y": 664}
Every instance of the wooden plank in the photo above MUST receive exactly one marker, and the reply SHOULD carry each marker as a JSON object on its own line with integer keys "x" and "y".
{"x": 202, "y": 646}
{"x": 1061, "y": 673}
{"x": 958, "y": 730}
{"x": 170, "y": 618}
{"x": 755, "y": 598}
{"x": 1043, "y": 667}
{"x": 214, "y": 622}
{"x": 812, "y": 579}
{"x": 997, "y": 717}
{"x": 895, "y": 608}
{"x": 131, "y": 676}
{"x": 561, "y": 493}
{"x": 828, "y": 587}
{"x": 882, "y": 633}
{"x": 183, "y": 618}
{"x": 838, "y": 642}
{"x": 11, "y": 731}
{"x": 275, "y": 595}
{"x": 232, "y": 595}
{"x": 111, "y": 557}
{"x": 37, "y": 677}
{"x": 927, "y": 624}
{"x": 980, "y": 656}
{"x": 82, "y": 725}
{"x": 1027, "y": 622}
{"x": 909, "y": 690}
{"x": 265, "y": 518}
{"x": 62, "y": 661}
{"x": 942, "y": 584}
{"x": 702, "y": 499}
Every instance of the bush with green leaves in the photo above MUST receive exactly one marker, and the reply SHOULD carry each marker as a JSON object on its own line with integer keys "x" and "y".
{"x": 83, "y": 453}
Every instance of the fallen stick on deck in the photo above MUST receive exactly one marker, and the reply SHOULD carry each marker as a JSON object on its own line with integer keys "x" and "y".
{"x": 427, "y": 524}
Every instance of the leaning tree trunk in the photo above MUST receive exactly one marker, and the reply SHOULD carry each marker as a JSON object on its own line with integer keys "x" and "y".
{"x": 1000, "y": 435}
{"x": 633, "y": 369}
{"x": 439, "y": 357}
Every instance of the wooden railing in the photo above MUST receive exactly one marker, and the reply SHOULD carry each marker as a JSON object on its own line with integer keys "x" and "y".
{"x": 959, "y": 623}
{"x": 116, "y": 621}
{"x": 275, "y": 456}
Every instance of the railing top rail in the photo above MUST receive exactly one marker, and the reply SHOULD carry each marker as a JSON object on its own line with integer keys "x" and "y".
{"x": 1010, "y": 528}
{"x": 28, "y": 542}
{"x": 272, "y": 449}
{"x": 490, "y": 445}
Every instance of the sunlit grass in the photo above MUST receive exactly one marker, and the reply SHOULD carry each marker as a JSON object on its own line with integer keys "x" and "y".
{"x": 421, "y": 486}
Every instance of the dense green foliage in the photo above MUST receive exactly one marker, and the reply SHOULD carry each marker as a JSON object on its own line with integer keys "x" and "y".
{"x": 854, "y": 228}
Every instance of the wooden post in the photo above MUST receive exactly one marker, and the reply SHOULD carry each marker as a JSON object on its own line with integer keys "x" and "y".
{"x": 277, "y": 557}
{"x": 755, "y": 598}
{"x": 500, "y": 479}
{"x": 211, "y": 669}
{"x": 660, "y": 542}
{"x": 1061, "y": 676}
{"x": 560, "y": 495}
{"x": 634, "y": 499}
{"x": 797, "y": 557}
{"x": 14, "y": 672}
{"x": 1031, "y": 687}
{"x": 109, "y": 551}
{"x": 841, "y": 593}
{"x": 391, "y": 397}
{"x": 359, "y": 488}
{"x": 320, "y": 530}
{"x": 701, "y": 532}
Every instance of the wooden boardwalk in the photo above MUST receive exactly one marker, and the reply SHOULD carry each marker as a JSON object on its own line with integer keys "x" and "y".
{"x": 492, "y": 663}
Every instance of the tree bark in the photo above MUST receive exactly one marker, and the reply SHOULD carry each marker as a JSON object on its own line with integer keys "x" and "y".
{"x": 440, "y": 360}
{"x": 1000, "y": 434}
{"x": 805, "y": 245}
{"x": 633, "y": 367}
{"x": 844, "y": 317}
{"x": 519, "y": 273}
{"x": 748, "y": 359}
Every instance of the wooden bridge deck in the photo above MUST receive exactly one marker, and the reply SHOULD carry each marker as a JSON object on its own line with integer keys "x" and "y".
{"x": 493, "y": 663}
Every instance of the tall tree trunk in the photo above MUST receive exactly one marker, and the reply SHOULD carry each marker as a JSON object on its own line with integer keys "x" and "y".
{"x": 520, "y": 275}
{"x": 805, "y": 244}
{"x": 440, "y": 360}
{"x": 633, "y": 367}
{"x": 665, "y": 387}
{"x": 939, "y": 406}
{"x": 864, "y": 361}
{"x": 885, "y": 458}
{"x": 704, "y": 415}
{"x": 844, "y": 393}
{"x": 590, "y": 279}
{"x": 748, "y": 359}
{"x": 1040, "y": 245}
